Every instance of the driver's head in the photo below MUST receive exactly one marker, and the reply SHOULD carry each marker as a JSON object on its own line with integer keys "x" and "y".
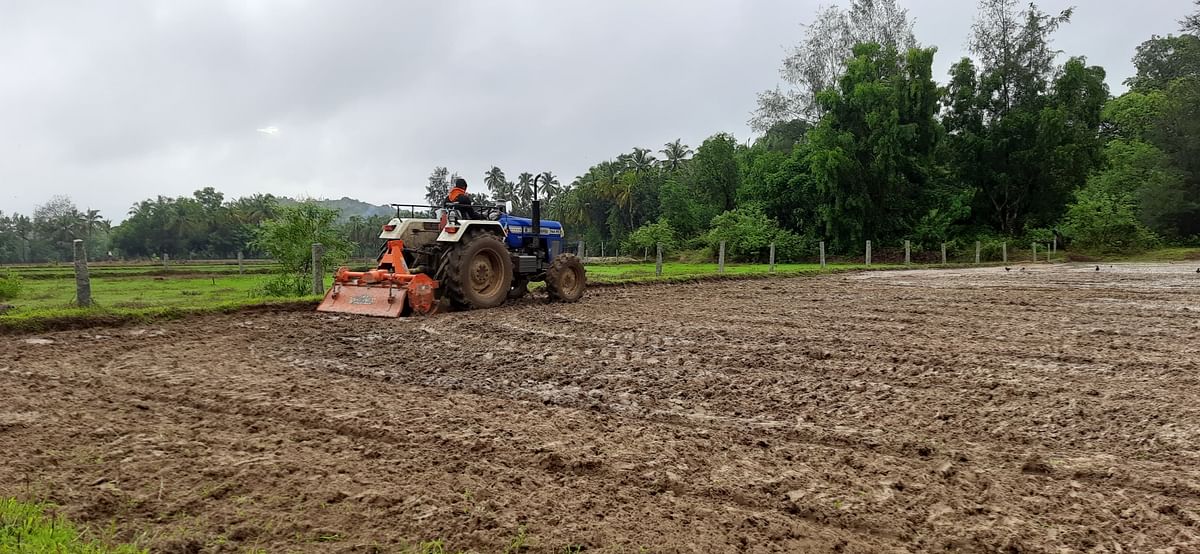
{"x": 460, "y": 183}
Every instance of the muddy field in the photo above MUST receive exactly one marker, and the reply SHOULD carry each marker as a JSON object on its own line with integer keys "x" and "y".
{"x": 1045, "y": 409}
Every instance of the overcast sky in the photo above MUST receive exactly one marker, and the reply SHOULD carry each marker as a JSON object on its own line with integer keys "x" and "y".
{"x": 114, "y": 102}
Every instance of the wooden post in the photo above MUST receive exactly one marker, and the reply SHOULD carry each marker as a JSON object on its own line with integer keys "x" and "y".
{"x": 772, "y": 268}
{"x": 83, "y": 282}
{"x": 721, "y": 259}
{"x": 658, "y": 263}
{"x": 822, "y": 254}
{"x": 943, "y": 253}
{"x": 1004, "y": 250}
{"x": 868, "y": 252}
{"x": 907, "y": 252}
{"x": 581, "y": 253}
{"x": 318, "y": 274}
{"x": 978, "y": 250}
{"x": 240, "y": 269}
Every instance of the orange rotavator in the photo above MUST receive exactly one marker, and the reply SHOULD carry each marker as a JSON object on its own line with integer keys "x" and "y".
{"x": 466, "y": 257}
{"x": 390, "y": 291}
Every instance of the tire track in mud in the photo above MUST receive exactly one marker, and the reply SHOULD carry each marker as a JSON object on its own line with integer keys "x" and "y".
{"x": 903, "y": 412}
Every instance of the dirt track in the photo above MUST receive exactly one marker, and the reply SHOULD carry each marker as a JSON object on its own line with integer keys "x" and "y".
{"x": 980, "y": 410}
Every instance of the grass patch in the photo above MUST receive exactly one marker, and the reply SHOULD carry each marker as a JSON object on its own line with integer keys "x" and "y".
{"x": 677, "y": 272}
{"x": 1179, "y": 254}
{"x": 47, "y": 304}
{"x": 27, "y": 528}
{"x": 61, "y": 318}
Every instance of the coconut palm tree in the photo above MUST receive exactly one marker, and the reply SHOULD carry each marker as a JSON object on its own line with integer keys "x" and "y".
{"x": 499, "y": 186}
{"x": 640, "y": 160}
{"x": 91, "y": 222}
{"x": 549, "y": 186}
{"x": 675, "y": 154}
{"x": 524, "y": 190}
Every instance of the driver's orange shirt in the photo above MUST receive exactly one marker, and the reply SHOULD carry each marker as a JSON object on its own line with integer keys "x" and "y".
{"x": 456, "y": 193}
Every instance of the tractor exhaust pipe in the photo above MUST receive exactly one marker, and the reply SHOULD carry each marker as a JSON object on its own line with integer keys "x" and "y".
{"x": 536, "y": 209}
{"x": 536, "y": 213}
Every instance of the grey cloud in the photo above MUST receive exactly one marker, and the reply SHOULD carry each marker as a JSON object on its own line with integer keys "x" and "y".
{"x": 117, "y": 101}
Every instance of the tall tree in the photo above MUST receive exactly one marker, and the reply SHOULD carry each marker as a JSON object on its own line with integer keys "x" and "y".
{"x": 640, "y": 160}
{"x": 498, "y": 185}
{"x": 438, "y": 187}
{"x": 872, "y": 153}
{"x": 1162, "y": 60}
{"x": 1028, "y": 137}
{"x": 675, "y": 153}
{"x": 716, "y": 173}
{"x": 820, "y": 59}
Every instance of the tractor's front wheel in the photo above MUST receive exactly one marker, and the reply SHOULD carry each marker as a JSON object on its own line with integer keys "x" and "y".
{"x": 565, "y": 279}
{"x": 477, "y": 272}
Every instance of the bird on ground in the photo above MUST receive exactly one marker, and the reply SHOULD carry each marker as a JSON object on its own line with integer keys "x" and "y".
{"x": 1010, "y": 269}
{"x": 1198, "y": 270}
{"x": 1022, "y": 269}
{"x": 1097, "y": 268}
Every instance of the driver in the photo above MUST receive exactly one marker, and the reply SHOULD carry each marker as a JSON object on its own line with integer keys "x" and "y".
{"x": 458, "y": 195}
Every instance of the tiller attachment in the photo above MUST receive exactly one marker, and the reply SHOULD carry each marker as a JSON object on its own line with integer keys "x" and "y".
{"x": 390, "y": 291}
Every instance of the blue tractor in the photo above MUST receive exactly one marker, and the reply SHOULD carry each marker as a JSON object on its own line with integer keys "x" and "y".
{"x": 473, "y": 256}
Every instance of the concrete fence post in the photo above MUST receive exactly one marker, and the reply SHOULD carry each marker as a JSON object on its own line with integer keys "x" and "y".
{"x": 1035, "y": 252}
{"x": 907, "y": 252}
{"x": 1054, "y": 245}
{"x": 318, "y": 274}
{"x": 83, "y": 282}
{"x": 602, "y": 254}
{"x": 646, "y": 254}
{"x": 772, "y": 260}
{"x": 241, "y": 270}
{"x": 721, "y": 259}
{"x": 581, "y": 253}
{"x": 978, "y": 251}
{"x": 943, "y": 253}
{"x": 658, "y": 261}
{"x": 868, "y": 252}
{"x": 166, "y": 261}
{"x": 822, "y": 254}
{"x": 1004, "y": 250}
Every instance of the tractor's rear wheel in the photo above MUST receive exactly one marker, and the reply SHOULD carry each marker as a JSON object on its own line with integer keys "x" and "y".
{"x": 477, "y": 272}
{"x": 565, "y": 279}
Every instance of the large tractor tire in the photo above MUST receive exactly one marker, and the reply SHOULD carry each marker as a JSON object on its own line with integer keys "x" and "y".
{"x": 565, "y": 279}
{"x": 477, "y": 272}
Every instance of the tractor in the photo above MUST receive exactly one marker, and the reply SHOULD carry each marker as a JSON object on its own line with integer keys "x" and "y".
{"x": 469, "y": 257}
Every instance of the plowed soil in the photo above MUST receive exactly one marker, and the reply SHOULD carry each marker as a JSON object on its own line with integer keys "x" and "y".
{"x": 1046, "y": 409}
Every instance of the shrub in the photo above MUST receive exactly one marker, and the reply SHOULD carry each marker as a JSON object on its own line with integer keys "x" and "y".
{"x": 1101, "y": 221}
{"x": 289, "y": 238}
{"x": 748, "y": 234}
{"x": 652, "y": 234}
{"x": 10, "y": 285}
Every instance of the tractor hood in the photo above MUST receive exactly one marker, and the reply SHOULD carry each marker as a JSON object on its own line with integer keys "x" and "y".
{"x": 524, "y": 225}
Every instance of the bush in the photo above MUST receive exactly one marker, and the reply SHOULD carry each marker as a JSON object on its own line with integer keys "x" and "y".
{"x": 10, "y": 285}
{"x": 748, "y": 234}
{"x": 652, "y": 234}
{"x": 289, "y": 238}
{"x": 1101, "y": 221}
{"x": 286, "y": 285}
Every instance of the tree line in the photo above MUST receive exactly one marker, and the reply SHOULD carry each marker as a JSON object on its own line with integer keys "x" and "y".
{"x": 865, "y": 145}
{"x": 862, "y": 143}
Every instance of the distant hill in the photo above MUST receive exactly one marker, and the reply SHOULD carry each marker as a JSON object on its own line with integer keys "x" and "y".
{"x": 347, "y": 207}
